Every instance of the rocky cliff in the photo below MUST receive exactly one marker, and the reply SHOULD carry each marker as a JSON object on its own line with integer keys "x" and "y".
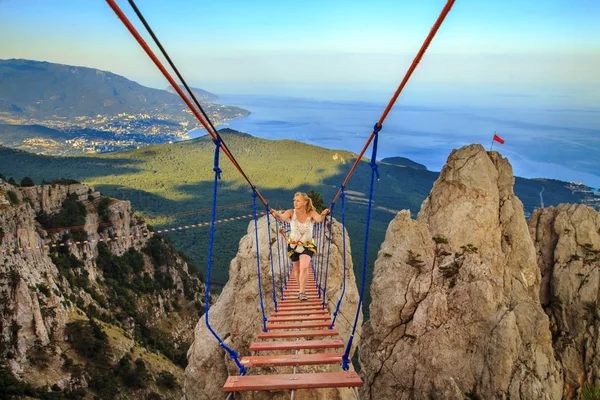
{"x": 92, "y": 301}
{"x": 567, "y": 240}
{"x": 456, "y": 308}
{"x": 237, "y": 319}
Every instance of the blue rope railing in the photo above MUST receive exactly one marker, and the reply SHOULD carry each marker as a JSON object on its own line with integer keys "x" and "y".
{"x": 314, "y": 260}
{"x": 274, "y": 291}
{"x": 289, "y": 263}
{"x": 262, "y": 306}
{"x": 279, "y": 258}
{"x": 321, "y": 262}
{"x": 339, "y": 303}
{"x": 374, "y": 171}
{"x": 328, "y": 253}
{"x": 232, "y": 354}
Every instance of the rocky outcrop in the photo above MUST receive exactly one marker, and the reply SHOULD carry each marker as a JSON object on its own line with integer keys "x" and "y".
{"x": 455, "y": 307}
{"x": 567, "y": 240}
{"x": 237, "y": 318}
{"x": 80, "y": 271}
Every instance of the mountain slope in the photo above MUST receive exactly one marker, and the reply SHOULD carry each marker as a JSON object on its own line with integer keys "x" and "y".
{"x": 201, "y": 94}
{"x": 168, "y": 179}
{"x": 101, "y": 110}
{"x": 112, "y": 316}
{"x": 43, "y": 90}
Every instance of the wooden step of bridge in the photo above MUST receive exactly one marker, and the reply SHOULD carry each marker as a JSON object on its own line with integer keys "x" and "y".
{"x": 293, "y": 381}
{"x": 300, "y": 311}
{"x": 300, "y": 318}
{"x": 310, "y": 324}
{"x": 284, "y": 360}
{"x": 297, "y": 345}
{"x": 298, "y": 334}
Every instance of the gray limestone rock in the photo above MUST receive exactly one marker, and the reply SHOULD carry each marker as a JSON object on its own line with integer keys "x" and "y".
{"x": 455, "y": 295}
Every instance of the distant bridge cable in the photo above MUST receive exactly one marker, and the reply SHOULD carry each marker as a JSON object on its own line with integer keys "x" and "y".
{"x": 209, "y": 127}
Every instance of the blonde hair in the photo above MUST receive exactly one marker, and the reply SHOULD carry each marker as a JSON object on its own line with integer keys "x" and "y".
{"x": 309, "y": 204}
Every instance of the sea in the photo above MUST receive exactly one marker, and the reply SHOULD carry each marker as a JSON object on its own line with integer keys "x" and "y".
{"x": 544, "y": 137}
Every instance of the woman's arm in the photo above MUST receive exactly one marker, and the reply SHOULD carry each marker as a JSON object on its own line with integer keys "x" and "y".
{"x": 281, "y": 217}
{"x": 319, "y": 217}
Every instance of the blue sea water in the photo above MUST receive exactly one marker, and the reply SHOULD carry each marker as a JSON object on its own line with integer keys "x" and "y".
{"x": 543, "y": 138}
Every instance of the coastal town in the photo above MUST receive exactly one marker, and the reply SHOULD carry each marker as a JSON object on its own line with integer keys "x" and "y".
{"x": 591, "y": 196}
{"x": 106, "y": 133}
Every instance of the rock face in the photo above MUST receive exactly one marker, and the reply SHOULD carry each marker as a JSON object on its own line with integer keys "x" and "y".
{"x": 455, "y": 305}
{"x": 105, "y": 283}
{"x": 567, "y": 240}
{"x": 237, "y": 319}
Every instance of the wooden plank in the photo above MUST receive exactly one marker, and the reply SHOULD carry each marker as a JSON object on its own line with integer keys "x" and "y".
{"x": 284, "y": 360}
{"x": 299, "y": 307}
{"x": 282, "y": 313}
{"x": 294, "y": 284}
{"x": 294, "y": 296}
{"x": 297, "y": 334}
{"x": 297, "y": 302}
{"x": 293, "y": 381}
{"x": 300, "y": 318}
{"x": 297, "y": 345}
{"x": 313, "y": 324}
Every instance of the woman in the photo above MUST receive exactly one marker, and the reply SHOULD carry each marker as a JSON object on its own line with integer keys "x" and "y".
{"x": 301, "y": 246}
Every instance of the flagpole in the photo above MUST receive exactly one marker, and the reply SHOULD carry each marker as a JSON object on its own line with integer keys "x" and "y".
{"x": 492, "y": 146}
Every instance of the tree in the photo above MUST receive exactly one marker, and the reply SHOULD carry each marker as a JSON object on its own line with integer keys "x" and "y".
{"x": 27, "y": 182}
{"x": 317, "y": 200}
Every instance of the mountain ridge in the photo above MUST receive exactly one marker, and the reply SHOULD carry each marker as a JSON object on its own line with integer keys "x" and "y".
{"x": 98, "y": 110}
{"x": 175, "y": 179}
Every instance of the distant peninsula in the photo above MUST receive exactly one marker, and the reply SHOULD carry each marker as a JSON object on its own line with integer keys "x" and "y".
{"x": 57, "y": 109}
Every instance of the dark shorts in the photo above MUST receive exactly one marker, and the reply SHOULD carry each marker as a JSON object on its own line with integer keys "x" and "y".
{"x": 296, "y": 256}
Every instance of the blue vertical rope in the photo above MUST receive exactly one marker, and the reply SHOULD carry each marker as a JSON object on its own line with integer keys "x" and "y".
{"x": 279, "y": 258}
{"x": 274, "y": 292}
{"x": 339, "y": 303}
{"x": 262, "y": 306}
{"x": 321, "y": 250}
{"x": 316, "y": 261}
{"x": 313, "y": 260}
{"x": 232, "y": 354}
{"x": 328, "y": 252}
{"x": 373, "y": 164}
{"x": 290, "y": 264}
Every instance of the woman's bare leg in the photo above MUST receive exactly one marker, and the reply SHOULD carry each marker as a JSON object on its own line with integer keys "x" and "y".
{"x": 296, "y": 271}
{"x": 304, "y": 265}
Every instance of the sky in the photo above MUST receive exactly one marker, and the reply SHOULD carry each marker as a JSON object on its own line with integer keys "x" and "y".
{"x": 312, "y": 46}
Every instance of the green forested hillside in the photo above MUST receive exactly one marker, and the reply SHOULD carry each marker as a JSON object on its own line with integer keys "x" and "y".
{"x": 177, "y": 178}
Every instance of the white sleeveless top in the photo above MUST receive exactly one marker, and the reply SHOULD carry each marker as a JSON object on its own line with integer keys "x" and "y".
{"x": 301, "y": 232}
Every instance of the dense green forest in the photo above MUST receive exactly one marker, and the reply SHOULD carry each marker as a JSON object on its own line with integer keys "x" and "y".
{"x": 166, "y": 182}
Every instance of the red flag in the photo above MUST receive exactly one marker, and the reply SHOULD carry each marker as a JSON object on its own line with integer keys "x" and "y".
{"x": 498, "y": 139}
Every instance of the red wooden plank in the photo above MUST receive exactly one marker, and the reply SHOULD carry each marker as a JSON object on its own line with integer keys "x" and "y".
{"x": 282, "y": 313}
{"x": 297, "y": 334}
{"x": 294, "y": 295}
{"x": 297, "y": 345}
{"x": 314, "y": 324}
{"x": 292, "y": 381}
{"x": 299, "y": 307}
{"x": 300, "y": 318}
{"x": 297, "y": 302}
{"x": 283, "y": 360}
